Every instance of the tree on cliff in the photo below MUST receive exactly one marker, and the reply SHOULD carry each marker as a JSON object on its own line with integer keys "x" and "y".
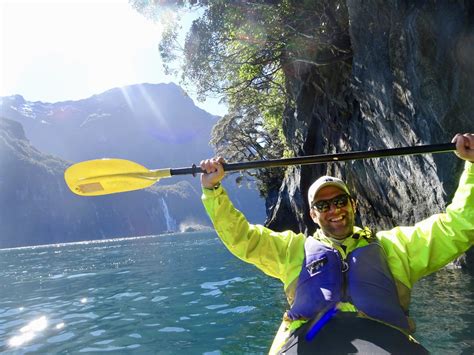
{"x": 245, "y": 136}
{"x": 243, "y": 51}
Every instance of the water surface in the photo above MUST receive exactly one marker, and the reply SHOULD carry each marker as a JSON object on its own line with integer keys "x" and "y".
{"x": 173, "y": 294}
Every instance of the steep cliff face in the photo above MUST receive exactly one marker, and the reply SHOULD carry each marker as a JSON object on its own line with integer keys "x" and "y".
{"x": 410, "y": 81}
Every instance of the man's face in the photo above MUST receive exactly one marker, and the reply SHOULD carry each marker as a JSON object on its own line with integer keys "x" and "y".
{"x": 335, "y": 222}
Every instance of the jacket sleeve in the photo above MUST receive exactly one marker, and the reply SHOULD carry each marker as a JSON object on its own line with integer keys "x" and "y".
{"x": 414, "y": 252}
{"x": 276, "y": 254}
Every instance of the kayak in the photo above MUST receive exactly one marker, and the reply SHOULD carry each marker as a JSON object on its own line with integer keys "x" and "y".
{"x": 346, "y": 333}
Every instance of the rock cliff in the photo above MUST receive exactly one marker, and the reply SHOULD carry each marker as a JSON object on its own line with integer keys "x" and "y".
{"x": 410, "y": 81}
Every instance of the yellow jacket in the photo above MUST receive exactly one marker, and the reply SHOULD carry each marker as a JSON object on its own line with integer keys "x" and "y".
{"x": 412, "y": 252}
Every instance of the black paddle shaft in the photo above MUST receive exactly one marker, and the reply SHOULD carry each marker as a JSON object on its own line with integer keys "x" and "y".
{"x": 325, "y": 158}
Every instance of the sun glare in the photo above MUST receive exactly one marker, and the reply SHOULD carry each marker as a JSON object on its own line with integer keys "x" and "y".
{"x": 97, "y": 44}
{"x": 58, "y": 50}
{"x": 29, "y": 331}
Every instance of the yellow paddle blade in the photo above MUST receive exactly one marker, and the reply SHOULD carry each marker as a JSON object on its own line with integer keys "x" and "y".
{"x": 109, "y": 176}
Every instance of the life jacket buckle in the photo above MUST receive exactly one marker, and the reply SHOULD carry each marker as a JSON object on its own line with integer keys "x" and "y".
{"x": 345, "y": 266}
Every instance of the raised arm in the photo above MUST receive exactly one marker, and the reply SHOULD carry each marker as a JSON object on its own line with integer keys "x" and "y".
{"x": 419, "y": 250}
{"x": 277, "y": 254}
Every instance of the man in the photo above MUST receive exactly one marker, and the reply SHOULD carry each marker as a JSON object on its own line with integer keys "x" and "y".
{"x": 348, "y": 288}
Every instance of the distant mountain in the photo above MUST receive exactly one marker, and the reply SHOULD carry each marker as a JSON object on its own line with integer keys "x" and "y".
{"x": 152, "y": 124}
{"x": 155, "y": 125}
{"x": 36, "y": 206}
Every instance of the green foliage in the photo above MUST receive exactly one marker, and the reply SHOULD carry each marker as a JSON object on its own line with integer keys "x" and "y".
{"x": 165, "y": 47}
{"x": 244, "y": 136}
{"x": 243, "y": 51}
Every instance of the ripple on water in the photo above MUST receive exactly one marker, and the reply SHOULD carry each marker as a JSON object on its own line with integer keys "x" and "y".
{"x": 212, "y": 285}
{"x": 81, "y": 275}
{"x": 97, "y": 333}
{"x": 159, "y": 298}
{"x": 173, "y": 330}
{"x": 12, "y": 312}
{"x": 215, "y": 292}
{"x": 151, "y": 325}
{"x": 89, "y": 315}
{"x": 216, "y": 306}
{"x": 61, "y": 337}
{"x": 106, "y": 348}
{"x": 119, "y": 296}
{"x": 141, "y": 298}
{"x": 240, "y": 309}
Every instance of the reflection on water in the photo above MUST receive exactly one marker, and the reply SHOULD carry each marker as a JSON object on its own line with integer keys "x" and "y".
{"x": 36, "y": 328}
{"x": 29, "y": 331}
{"x": 176, "y": 293}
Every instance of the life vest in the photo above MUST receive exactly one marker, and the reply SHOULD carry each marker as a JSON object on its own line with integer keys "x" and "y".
{"x": 363, "y": 279}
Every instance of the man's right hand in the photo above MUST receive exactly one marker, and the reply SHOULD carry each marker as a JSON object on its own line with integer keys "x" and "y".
{"x": 214, "y": 172}
{"x": 464, "y": 146}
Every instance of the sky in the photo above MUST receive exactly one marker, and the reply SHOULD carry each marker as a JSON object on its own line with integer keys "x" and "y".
{"x": 62, "y": 50}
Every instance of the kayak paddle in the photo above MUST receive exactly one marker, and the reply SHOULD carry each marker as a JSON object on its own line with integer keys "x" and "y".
{"x": 108, "y": 176}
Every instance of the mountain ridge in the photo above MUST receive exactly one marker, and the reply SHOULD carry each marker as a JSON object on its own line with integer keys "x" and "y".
{"x": 36, "y": 206}
{"x": 118, "y": 122}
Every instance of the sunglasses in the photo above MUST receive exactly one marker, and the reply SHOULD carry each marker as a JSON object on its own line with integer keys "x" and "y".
{"x": 324, "y": 205}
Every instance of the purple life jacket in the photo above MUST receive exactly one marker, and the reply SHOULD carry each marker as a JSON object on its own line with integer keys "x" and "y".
{"x": 363, "y": 279}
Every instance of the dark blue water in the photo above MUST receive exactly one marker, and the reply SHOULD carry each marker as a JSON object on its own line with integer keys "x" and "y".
{"x": 174, "y": 294}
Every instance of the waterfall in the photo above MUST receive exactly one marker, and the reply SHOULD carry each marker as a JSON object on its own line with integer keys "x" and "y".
{"x": 170, "y": 221}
